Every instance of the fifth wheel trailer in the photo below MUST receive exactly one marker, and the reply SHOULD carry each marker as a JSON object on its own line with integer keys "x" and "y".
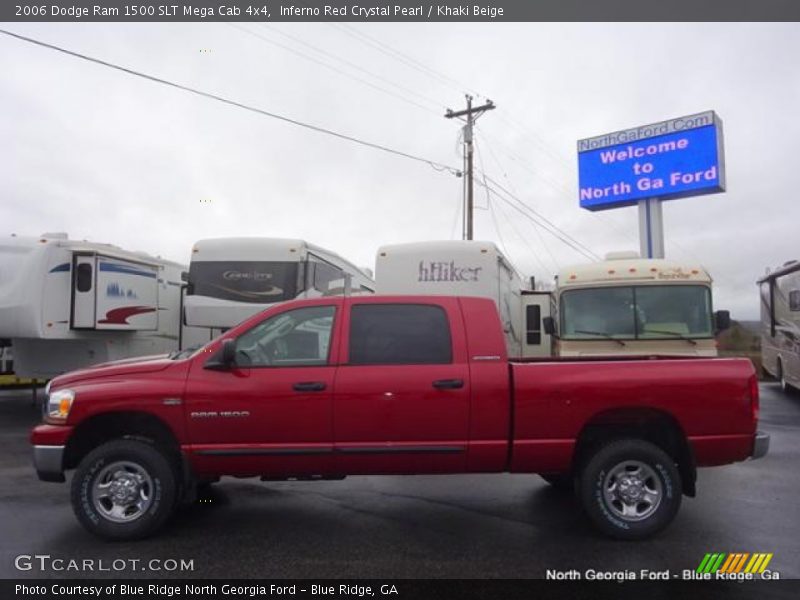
{"x": 469, "y": 268}
{"x": 231, "y": 279}
{"x": 780, "y": 323}
{"x": 67, "y": 304}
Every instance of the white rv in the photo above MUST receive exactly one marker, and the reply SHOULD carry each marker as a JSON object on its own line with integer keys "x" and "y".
{"x": 629, "y": 305}
{"x": 66, "y": 304}
{"x": 780, "y": 323}
{"x": 468, "y": 268}
{"x": 231, "y": 279}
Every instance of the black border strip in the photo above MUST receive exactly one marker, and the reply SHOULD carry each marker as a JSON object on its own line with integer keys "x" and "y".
{"x": 317, "y": 451}
{"x": 415, "y": 11}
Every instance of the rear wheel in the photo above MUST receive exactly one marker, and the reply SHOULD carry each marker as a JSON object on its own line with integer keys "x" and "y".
{"x": 630, "y": 489}
{"x": 786, "y": 388}
{"x": 124, "y": 490}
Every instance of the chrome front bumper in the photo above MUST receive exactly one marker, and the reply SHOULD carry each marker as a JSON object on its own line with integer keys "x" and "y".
{"x": 49, "y": 462}
{"x": 760, "y": 445}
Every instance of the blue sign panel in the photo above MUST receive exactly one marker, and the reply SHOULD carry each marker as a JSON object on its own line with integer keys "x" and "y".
{"x": 686, "y": 161}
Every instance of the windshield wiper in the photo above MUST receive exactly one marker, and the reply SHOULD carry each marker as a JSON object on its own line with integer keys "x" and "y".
{"x": 603, "y": 333}
{"x": 675, "y": 333}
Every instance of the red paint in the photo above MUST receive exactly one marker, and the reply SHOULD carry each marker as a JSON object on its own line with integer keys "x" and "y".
{"x": 120, "y": 316}
{"x": 522, "y": 417}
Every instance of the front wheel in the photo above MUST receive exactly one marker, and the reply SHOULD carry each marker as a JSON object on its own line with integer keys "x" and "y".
{"x": 630, "y": 489}
{"x": 124, "y": 490}
{"x": 785, "y": 387}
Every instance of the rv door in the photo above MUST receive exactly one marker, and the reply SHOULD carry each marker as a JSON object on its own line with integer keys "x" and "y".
{"x": 84, "y": 299}
{"x": 537, "y": 342}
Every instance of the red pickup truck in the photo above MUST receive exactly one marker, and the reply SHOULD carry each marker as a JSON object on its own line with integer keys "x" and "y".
{"x": 331, "y": 387}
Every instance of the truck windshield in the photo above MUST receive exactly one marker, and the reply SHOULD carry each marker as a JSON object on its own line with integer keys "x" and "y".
{"x": 244, "y": 281}
{"x": 637, "y": 312}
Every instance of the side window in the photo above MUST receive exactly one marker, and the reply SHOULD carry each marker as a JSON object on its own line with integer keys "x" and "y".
{"x": 533, "y": 325}
{"x": 83, "y": 277}
{"x": 324, "y": 275}
{"x": 794, "y": 300}
{"x": 399, "y": 334}
{"x": 299, "y": 337}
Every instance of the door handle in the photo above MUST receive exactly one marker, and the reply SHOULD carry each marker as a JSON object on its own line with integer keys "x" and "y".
{"x": 448, "y": 384}
{"x": 309, "y": 386}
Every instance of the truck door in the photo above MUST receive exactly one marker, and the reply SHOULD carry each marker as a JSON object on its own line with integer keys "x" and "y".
{"x": 84, "y": 297}
{"x": 401, "y": 398}
{"x": 271, "y": 414}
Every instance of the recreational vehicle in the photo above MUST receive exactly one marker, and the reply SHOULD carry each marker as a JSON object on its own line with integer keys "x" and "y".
{"x": 67, "y": 304}
{"x": 231, "y": 279}
{"x": 634, "y": 306}
{"x": 469, "y": 268}
{"x": 780, "y": 323}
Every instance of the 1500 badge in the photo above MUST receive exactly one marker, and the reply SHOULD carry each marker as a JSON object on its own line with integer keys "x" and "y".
{"x": 206, "y": 414}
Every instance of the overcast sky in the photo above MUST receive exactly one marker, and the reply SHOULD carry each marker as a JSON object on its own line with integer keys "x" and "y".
{"x": 113, "y": 158}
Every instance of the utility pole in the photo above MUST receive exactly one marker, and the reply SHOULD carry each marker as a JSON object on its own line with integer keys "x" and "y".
{"x": 471, "y": 115}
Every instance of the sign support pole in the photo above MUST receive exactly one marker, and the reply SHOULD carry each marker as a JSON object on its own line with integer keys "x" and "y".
{"x": 651, "y": 228}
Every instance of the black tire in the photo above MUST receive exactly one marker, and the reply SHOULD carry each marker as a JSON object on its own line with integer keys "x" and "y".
{"x": 786, "y": 388}
{"x": 124, "y": 463}
{"x": 637, "y": 468}
{"x": 562, "y": 482}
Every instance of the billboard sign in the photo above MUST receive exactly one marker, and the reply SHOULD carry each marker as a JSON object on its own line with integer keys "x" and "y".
{"x": 671, "y": 159}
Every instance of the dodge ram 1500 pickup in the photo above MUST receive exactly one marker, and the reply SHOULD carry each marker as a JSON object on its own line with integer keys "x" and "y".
{"x": 331, "y": 387}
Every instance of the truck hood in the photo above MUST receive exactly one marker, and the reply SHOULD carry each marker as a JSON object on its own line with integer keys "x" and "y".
{"x": 116, "y": 368}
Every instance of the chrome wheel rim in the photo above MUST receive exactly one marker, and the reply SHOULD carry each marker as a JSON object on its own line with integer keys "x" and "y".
{"x": 632, "y": 490}
{"x": 122, "y": 492}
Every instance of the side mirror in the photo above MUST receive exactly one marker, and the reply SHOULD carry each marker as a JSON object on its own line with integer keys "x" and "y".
{"x": 225, "y": 359}
{"x": 722, "y": 320}
{"x": 549, "y": 325}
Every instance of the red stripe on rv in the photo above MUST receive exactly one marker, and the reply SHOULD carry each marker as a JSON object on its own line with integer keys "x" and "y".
{"x": 120, "y": 316}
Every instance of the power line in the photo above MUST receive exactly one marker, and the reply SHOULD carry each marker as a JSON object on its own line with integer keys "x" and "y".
{"x": 357, "y": 67}
{"x": 531, "y": 214}
{"x": 573, "y": 242}
{"x": 490, "y": 208}
{"x": 434, "y": 164}
{"x": 331, "y": 67}
{"x": 409, "y": 61}
{"x": 525, "y": 241}
{"x": 535, "y": 225}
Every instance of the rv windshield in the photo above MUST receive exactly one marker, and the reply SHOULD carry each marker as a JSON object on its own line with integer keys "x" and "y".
{"x": 637, "y": 312}
{"x": 244, "y": 281}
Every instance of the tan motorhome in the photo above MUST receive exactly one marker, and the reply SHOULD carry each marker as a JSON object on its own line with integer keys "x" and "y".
{"x": 629, "y": 305}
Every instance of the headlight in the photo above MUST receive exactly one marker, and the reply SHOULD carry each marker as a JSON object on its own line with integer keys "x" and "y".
{"x": 59, "y": 403}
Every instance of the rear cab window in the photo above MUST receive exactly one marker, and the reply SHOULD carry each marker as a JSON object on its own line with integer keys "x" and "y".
{"x": 399, "y": 334}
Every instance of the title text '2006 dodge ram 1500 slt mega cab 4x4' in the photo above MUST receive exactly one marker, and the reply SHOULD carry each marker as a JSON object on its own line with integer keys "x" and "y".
{"x": 330, "y": 387}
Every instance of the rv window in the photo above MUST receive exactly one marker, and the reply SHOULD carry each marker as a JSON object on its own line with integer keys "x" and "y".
{"x": 244, "y": 281}
{"x": 399, "y": 334}
{"x": 794, "y": 300}
{"x": 83, "y": 281}
{"x": 533, "y": 324}
{"x": 325, "y": 275}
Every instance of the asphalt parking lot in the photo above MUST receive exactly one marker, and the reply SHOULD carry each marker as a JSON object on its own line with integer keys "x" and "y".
{"x": 493, "y": 526}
